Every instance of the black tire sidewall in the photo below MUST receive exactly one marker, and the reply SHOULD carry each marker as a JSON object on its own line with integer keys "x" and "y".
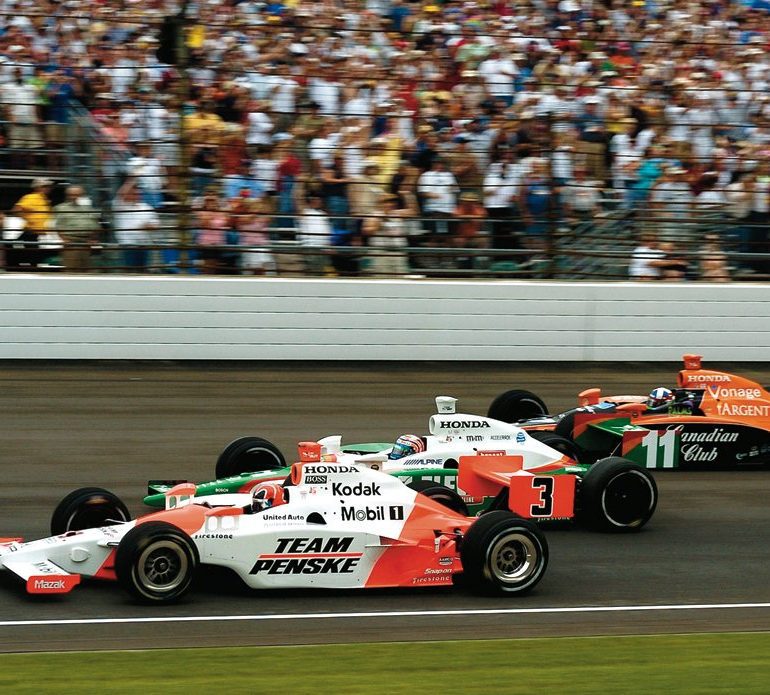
{"x": 113, "y": 508}
{"x": 507, "y": 406}
{"x": 441, "y": 494}
{"x": 477, "y": 545}
{"x": 592, "y": 489}
{"x": 135, "y": 542}
{"x": 228, "y": 466}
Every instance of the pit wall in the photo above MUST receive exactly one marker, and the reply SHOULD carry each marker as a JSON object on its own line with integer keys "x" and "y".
{"x": 169, "y": 318}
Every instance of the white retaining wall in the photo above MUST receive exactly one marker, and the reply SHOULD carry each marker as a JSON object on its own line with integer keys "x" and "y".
{"x": 172, "y": 318}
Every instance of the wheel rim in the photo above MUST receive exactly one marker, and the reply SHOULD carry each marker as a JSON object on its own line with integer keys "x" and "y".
{"x": 513, "y": 558}
{"x": 92, "y": 515}
{"x": 627, "y": 499}
{"x": 162, "y": 567}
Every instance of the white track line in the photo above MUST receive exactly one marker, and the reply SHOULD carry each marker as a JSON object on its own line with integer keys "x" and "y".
{"x": 385, "y": 614}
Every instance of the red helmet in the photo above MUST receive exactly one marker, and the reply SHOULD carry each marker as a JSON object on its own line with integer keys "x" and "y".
{"x": 266, "y": 495}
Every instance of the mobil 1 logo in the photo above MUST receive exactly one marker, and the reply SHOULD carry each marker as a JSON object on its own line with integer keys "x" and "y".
{"x": 378, "y": 513}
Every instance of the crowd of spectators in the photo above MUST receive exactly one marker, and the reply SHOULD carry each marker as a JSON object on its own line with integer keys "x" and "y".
{"x": 457, "y": 129}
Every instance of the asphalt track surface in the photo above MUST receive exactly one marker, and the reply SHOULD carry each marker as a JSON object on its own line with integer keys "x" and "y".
{"x": 701, "y": 565}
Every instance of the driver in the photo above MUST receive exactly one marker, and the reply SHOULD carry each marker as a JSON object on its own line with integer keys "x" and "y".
{"x": 406, "y": 445}
{"x": 660, "y": 399}
{"x": 267, "y": 495}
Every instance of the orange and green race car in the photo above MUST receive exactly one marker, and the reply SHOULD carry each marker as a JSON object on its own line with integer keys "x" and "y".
{"x": 711, "y": 419}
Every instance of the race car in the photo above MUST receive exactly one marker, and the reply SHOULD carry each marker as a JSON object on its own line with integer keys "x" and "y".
{"x": 613, "y": 494}
{"x": 329, "y": 526}
{"x": 709, "y": 419}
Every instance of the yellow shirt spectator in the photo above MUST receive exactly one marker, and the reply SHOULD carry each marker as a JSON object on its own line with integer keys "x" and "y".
{"x": 36, "y": 212}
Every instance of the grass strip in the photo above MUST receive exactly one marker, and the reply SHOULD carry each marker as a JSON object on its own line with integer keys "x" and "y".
{"x": 699, "y": 663}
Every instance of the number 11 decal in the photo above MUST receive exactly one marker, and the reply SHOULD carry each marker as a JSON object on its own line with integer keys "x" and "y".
{"x": 660, "y": 448}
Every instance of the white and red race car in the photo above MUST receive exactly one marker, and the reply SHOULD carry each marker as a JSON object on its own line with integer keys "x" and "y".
{"x": 332, "y": 525}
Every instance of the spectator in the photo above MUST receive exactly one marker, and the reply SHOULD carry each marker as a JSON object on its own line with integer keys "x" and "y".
{"x": 438, "y": 190}
{"x": 252, "y": 224}
{"x": 713, "y": 261}
{"x": 501, "y": 193}
{"x": 314, "y": 234}
{"x": 537, "y": 201}
{"x": 334, "y": 192}
{"x": 388, "y": 235}
{"x": 149, "y": 174}
{"x": 35, "y": 209}
{"x": 20, "y": 98}
{"x": 135, "y": 224}
{"x": 77, "y": 224}
{"x": 469, "y": 215}
{"x": 212, "y": 221}
{"x": 647, "y": 259}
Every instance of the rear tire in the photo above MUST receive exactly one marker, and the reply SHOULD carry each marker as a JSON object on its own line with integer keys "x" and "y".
{"x": 503, "y": 555}
{"x": 88, "y": 507}
{"x": 155, "y": 562}
{"x": 617, "y": 496}
{"x": 563, "y": 445}
{"x": 248, "y": 455}
{"x": 516, "y": 405}
{"x": 442, "y": 494}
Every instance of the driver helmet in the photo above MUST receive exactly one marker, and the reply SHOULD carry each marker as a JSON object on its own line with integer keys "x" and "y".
{"x": 660, "y": 396}
{"x": 406, "y": 445}
{"x": 266, "y": 495}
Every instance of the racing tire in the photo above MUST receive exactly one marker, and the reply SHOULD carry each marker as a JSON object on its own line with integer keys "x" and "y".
{"x": 503, "y": 555}
{"x": 616, "y": 495}
{"x": 248, "y": 455}
{"x": 155, "y": 562}
{"x": 563, "y": 445}
{"x": 88, "y": 507}
{"x": 516, "y": 405}
{"x": 442, "y": 494}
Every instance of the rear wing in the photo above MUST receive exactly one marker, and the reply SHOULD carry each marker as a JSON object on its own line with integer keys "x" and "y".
{"x": 531, "y": 496}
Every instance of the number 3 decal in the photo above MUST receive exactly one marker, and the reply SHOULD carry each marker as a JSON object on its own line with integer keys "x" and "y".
{"x": 545, "y": 486}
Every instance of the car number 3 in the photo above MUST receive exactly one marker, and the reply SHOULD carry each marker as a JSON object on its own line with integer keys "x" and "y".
{"x": 544, "y": 485}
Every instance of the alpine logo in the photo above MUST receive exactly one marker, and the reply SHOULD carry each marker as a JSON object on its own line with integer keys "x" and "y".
{"x": 359, "y": 489}
{"x": 309, "y": 556}
{"x": 395, "y": 513}
{"x": 463, "y": 424}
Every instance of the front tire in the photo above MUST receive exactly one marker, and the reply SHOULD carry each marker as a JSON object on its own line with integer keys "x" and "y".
{"x": 503, "y": 555}
{"x": 616, "y": 495}
{"x": 441, "y": 494}
{"x": 155, "y": 562}
{"x": 516, "y": 405}
{"x": 248, "y": 455}
{"x": 88, "y": 507}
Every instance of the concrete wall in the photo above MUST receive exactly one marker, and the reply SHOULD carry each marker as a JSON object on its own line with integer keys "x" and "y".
{"x": 169, "y": 318}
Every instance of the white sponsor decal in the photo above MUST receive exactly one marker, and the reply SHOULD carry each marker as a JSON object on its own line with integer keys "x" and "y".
{"x": 702, "y": 378}
{"x": 742, "y": 409}
{"x": 720, "y": 392}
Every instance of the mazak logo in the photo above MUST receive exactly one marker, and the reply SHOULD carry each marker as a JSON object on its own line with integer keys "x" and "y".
{"x": 309, "y": 556}
{"x": 704, "y": 378}
{"x": 315, "y": 479}
{"x": 359, "y": 489}
{"x": 328, "y": 469}
{"x": 463, "y": 424}
{"x": 49, "y": 584}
